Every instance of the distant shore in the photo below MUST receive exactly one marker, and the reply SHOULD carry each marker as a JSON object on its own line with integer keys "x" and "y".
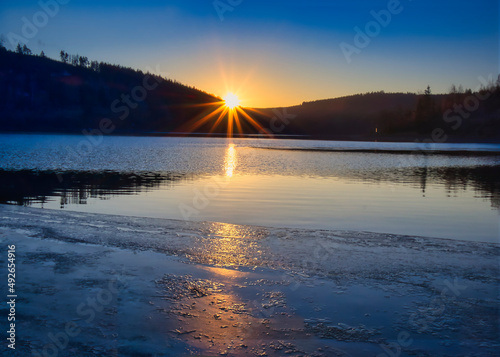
{"x": 128, "y": 285}
{"x": 398, "y": 152}
{"x": 408, "y": 138}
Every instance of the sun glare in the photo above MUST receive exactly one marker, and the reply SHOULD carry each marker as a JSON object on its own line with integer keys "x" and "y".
{"x": 232, "y": 101}
{"x": 226, "y": 112}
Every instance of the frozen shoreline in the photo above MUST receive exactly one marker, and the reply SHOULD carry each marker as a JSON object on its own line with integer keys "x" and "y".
{"x": 293, "y": 291}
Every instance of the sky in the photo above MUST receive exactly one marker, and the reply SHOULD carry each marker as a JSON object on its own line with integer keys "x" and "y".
{"x": 273, "y": 54}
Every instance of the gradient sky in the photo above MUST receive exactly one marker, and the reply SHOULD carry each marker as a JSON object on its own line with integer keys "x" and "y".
{"x": 279, "y": 53}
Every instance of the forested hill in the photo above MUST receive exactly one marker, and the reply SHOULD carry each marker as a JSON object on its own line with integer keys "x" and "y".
{"x": 461, "y": 115}
{"x": 38, "y": 94}
{"x": 75, "y": 95}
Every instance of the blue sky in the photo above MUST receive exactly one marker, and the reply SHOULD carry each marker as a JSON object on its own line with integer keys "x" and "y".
{"x": 278, "y": 53}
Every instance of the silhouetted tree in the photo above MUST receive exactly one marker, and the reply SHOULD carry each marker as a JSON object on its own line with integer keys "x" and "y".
{"x": 453, "y": 97}
{"x": 426, "y": 112}
{"x": 64, "y": 56}
{"x": 75, "y": 59}
{"x": 42, "y": 54}
{"x": 94, "y": 65}
{"x": 23, "y": 50}
{"x": 83, "y": 61}
{"x": 26, "y": 50}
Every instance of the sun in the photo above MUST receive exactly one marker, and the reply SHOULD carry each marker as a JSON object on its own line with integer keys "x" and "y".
{"x": 231, "y": 101}
{"x": 226, "y": 112}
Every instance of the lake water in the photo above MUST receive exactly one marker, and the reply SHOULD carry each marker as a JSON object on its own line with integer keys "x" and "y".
{"x": 379, "y": 187}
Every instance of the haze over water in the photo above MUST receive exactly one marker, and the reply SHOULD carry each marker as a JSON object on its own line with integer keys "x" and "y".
{"x": 248, "y": 181}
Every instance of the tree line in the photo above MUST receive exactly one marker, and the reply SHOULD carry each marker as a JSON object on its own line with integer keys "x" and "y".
{"x": 77, "y": 60}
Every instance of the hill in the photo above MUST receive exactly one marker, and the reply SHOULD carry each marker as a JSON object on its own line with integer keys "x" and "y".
{"x": 457, "y": 116}
{"x": 38, "y": 94}
{"x": 75, "y": 95}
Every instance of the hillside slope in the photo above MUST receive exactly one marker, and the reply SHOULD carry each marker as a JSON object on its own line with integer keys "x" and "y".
{"x": 38, "y": 94}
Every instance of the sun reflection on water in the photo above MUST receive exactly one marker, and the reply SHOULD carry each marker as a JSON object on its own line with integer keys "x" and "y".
{"x": 230, "y": 160}
{"x": 228, "y": 245}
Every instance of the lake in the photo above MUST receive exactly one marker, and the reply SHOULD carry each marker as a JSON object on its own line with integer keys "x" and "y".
{"x": 441, "y": 190}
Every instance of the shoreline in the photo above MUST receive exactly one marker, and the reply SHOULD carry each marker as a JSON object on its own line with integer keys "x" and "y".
{"x": 408, "y": 139}
{"x": 412, "y": 151}
{"x": 218, "y": 289}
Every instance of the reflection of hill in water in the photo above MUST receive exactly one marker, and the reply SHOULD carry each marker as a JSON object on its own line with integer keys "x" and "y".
{"x": 26, "y": 187}
{"x": 483, "y": 180}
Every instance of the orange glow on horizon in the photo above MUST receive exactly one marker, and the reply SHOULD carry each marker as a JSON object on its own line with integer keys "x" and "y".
{"x": 228, "y": 112}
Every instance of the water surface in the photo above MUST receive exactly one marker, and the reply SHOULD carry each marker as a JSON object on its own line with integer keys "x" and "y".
{"x": 283, "y": 183}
